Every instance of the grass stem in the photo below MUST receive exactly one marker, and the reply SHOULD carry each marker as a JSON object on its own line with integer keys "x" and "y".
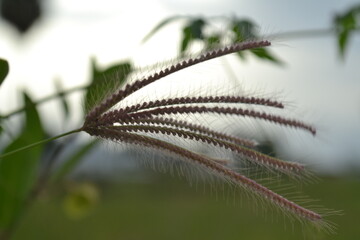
{"x": 40, "y": 142}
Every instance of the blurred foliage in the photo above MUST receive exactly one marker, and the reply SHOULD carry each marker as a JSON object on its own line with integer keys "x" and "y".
{"x": 22, "y": 14}
{"x": 80, "y": 200}
{"x": 73, "y": 161}
{"x": 167, "y": 208}
{"x": 161, "y": 25}
{"x": 62, "y": 98}
{"x": 345, "y": 25}
{"x": 201, "y": 29}
{"x": 105, "y": 81}
{"x": 192, "y": 31}
{"x": 4, "y": 70}
{"x": 20, "y": 172}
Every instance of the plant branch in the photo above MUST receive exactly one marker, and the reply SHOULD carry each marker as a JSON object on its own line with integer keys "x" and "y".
{"x": 45, "y": 99}
{"x": 40, "y": 142}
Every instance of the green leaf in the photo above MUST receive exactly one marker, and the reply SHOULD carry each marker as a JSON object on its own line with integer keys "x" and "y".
{"x": 73, "y": 161}
{"x": 264, "y": 54}
{"x": 163, "y": 23}
{"x": 4, "y": 70}
{"x": 342, "y": 42}
{"x": 62, "y": 98}
{"x": 192, "y": 31}
{"x": 243, "y": 29}
{"x": 212, "y": 41}
{"x": 105, "y": 82}
{"x": 186, "y": 39}
{"x": 18, "y": 172}
{"x": 345, "y": 25}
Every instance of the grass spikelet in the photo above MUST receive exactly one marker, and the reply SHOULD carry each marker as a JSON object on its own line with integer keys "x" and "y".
{"x": 143, "y": 124}
{"x": 247, "y": 153}
{"x": 217, "y": 168}
{"x": 131, "y": 88}
{"x": 200, "y": 99}
{"x": 117, "y": 115}
{"x": 196, "y": 129}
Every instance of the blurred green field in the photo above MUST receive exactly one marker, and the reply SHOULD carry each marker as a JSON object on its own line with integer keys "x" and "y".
{"x": 168, "y": 208}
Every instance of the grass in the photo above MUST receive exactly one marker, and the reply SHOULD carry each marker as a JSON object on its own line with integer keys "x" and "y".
{"x": 169, "y": 209}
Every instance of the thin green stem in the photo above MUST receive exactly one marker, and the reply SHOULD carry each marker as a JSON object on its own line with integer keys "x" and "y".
{"x": 40, "y": 142}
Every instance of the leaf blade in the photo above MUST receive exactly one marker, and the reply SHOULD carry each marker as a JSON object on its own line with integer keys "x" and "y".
{"x": 4, "y": 70}
{"x": 345, "y": 25}
{"x": 160, "y": 25}
{"x": 191, "y": 32}
{"x": 104, "y": 82}
{"x": 62, "y": 98}
{"x": 264, "y": 54}
{"x": 73, "y": 161}
{"x": 18, "y": 171}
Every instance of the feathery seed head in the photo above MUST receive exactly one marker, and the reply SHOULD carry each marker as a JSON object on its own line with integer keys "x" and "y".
{"x": 133, "y": 124}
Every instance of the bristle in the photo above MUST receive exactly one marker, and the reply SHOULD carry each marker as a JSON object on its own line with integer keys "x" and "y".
{"x": 133, "y": 124}
{"x": 116, "y": 116}
{"x": 240, "y": 180}
{"x": 200, "y": 99}
{"x": 131, "y": 88}
{"x": 251, "y": 155}
{"x": 195, "y": 128}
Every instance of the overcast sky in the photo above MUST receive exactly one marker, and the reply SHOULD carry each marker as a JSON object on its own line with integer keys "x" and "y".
{"x": 325, "y": 90}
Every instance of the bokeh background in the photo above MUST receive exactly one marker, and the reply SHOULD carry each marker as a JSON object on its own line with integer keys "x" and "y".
{"x": 108, "y": 196}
